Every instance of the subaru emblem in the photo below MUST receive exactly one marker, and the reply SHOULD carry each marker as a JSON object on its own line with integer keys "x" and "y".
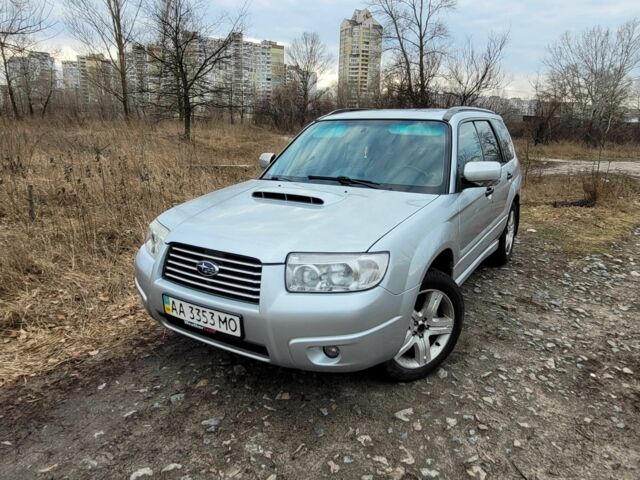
{"x": 207, "y": 268}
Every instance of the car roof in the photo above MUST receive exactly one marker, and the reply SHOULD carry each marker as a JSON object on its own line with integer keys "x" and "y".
{"x": 440, "y": 114}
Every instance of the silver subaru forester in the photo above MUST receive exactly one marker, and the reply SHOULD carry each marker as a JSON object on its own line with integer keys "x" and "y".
{"x": 349, "y": 250}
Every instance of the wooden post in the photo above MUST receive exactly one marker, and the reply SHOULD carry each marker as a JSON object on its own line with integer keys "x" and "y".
{"x": 32, "y": 206}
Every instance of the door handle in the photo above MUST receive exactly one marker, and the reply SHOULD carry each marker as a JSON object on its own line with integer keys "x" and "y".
{"x": 488, "y": 192}
{"x": 509, "y": 175}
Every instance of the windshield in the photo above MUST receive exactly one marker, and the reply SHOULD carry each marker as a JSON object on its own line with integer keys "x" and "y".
{"x": 406, "y": 155}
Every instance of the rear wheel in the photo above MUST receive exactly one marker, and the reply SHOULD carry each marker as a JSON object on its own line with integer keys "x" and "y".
{"x": 436, "y": 323}
{"x": 507, "y": 239}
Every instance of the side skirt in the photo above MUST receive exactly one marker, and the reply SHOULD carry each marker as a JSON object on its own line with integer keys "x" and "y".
{"x": 467, "y": 273}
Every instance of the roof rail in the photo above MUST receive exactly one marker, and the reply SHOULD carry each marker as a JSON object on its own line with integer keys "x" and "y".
{"x": 455, "y": 110}
{"x": 344, "y": 110}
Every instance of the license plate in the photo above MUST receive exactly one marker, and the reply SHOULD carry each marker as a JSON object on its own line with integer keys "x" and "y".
{"x": 211, "y": 321}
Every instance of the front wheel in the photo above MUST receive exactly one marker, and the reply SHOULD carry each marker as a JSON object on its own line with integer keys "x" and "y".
{"x": 436, "y": 323}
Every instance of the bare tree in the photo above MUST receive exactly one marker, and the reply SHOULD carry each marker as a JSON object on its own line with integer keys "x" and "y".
{"x": 548, "y": 107}
{"x": 635, "y": 95}
{"x": 280, "y": 109}
{"x": 417, "y": 39}
{"x": 186, "y": 56}
{"x": 635, "y": 106}
{"x": 22, "y": 17}
{"x": 107, "y": 26}
{"x": 594, "y": 69}
{"x": 19, "y": 20}
{"x": 471, "y": 72}
{"x": 308, "y": 60}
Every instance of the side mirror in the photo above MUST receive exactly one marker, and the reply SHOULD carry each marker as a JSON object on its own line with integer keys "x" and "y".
{"x": 265, "y": 160}
{"x": 482, "y": 173}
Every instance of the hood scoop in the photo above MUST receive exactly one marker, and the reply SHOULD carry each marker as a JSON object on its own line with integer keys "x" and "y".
{"x": 288, "y": 197}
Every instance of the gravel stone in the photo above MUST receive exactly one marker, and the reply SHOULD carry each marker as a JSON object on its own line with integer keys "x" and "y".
{"x": 212, "y": 423}
{"x": 142, "y": 472}
{"x": 404, "y": 414}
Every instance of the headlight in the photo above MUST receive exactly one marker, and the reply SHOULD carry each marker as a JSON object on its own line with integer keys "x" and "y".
{"x": 155, "y": 238}
{"x": 335, "y": 272}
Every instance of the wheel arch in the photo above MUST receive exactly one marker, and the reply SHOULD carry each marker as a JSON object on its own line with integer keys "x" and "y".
{"x": 516, "y": 203}
{"x": 442, "y": 262}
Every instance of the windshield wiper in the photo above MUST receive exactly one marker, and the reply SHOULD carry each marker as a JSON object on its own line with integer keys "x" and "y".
{"x": 346, "y": 180}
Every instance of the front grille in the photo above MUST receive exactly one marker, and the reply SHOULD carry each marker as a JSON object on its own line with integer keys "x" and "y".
{"x": 239, "y": 277}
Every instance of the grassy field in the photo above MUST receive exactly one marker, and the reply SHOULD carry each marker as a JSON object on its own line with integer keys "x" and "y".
{"x": 75, "y": 201}
{"x": 578, "y": 151}
{"x": 580, "y": 230}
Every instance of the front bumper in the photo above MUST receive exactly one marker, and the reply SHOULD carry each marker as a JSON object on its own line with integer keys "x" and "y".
{"x": 290, "y": 329}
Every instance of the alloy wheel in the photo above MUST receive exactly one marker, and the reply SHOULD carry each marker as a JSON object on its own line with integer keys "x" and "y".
{"x": 511, "y": 232}
{"x": 431, "y": 327}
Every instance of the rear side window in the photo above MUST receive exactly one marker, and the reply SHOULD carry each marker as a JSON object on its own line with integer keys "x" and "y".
{"x": 469, "y": 148}
{"x": 488, "y": 141}
{"x": 504, "y": 138}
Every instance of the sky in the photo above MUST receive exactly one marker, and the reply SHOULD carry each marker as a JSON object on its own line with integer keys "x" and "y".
{"x": 532, "y": 25}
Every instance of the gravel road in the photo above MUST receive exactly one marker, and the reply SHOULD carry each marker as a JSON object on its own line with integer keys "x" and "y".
{"x": 562, "y": 167}
{"x": 543, "y": 385}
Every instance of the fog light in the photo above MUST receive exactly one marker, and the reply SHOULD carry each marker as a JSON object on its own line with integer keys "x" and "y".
{"x": 331, "y": 352}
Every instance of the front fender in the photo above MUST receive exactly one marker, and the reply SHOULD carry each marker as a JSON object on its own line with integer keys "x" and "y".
{"x": 417, "y": 242}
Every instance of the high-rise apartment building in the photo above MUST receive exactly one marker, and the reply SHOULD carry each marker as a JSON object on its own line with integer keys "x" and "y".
{"x": 360, "y": 59}
{"x": 252, "y": 71}
{"x": 70, "y": 75}
{"x": 31, "y": 70}
{"x": 277, "y": 63}
{"x": 32, "y": 77}
{"x": 92, "y": 78}
{"x": 248, "y": 73}
{"x": 35, "y": 65}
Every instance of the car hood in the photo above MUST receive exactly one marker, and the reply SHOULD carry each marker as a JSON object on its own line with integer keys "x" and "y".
{"x": 268, "y": 220}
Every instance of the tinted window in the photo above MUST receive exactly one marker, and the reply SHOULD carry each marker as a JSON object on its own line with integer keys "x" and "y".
{"x": 398, "y": 154}
{"x": 469, "y": 149}
{"x": 488, "y": 142}
{"x": 505, "y": 140}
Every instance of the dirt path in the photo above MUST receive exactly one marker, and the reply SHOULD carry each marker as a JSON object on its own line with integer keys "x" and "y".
{"x": 544, "y": 384}
{"x": 562, "y": 167}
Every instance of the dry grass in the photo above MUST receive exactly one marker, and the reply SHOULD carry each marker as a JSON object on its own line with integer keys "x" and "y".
{"x": 66, "y": 256}
{"x": 66, "y": 276}
{"x": 581, "y": 230}
{"x": 578, "y": 151}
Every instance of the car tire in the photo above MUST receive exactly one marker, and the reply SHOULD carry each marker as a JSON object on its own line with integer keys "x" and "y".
{"x": 507, "y": 240}
{"x": 434, "y": 329}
